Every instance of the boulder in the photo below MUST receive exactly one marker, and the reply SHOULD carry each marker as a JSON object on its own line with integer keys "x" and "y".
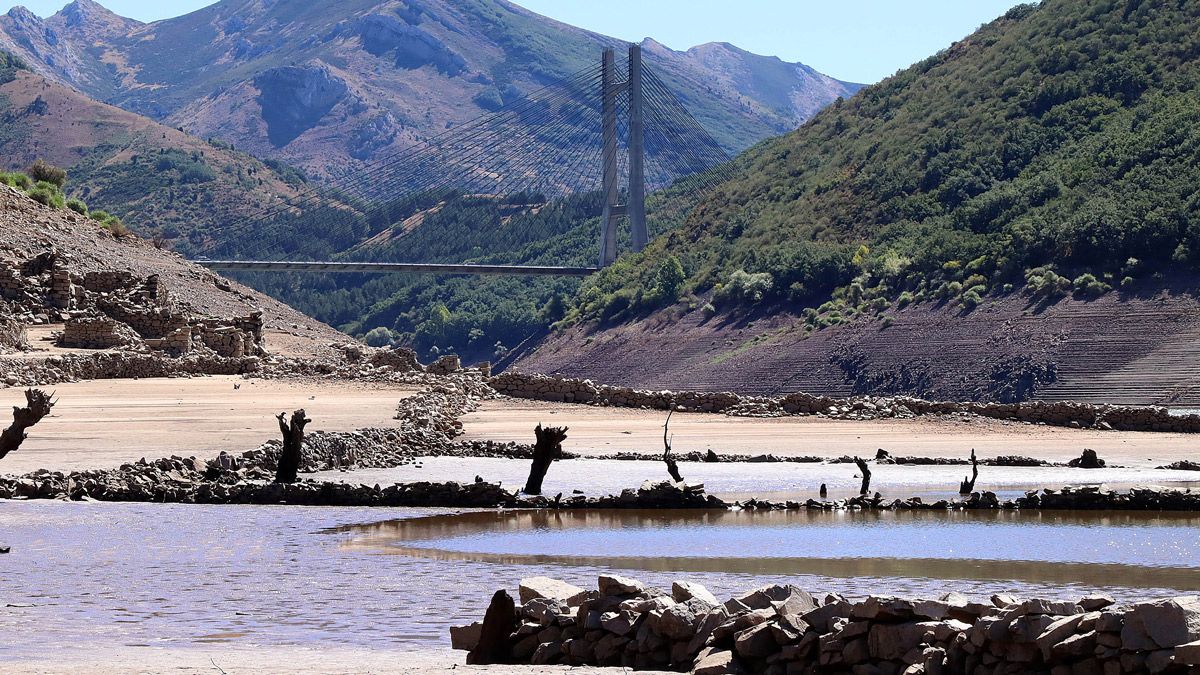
{"x": 465, "y": 638}
{"x": 1188, "y": 654}
{"x": 682, "y": 591}
{"x": 716, "y": 663}
{"x": 615, "y": 585}
{"x": 545, "y": 587}
{"x": 756, "y": 642}
{"x": 1161, "y": 624}
{"x": 891, "y": 642}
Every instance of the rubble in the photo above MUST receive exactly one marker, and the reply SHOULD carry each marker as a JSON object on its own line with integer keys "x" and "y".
{"x": 1062, "y": 413}
{"x": 781, "y": 630}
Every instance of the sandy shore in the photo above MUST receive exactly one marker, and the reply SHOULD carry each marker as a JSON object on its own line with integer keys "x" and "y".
{"x": 598, "y": 431}
{"x": 105, "y": 423}
{"x": 108, "y": 422}
{"x": 271, "y": 660}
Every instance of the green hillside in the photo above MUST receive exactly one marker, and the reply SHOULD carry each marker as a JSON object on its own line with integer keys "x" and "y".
{"x": 1056, "y": 150}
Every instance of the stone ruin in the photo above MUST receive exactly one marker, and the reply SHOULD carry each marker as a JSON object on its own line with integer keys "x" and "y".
{"x": 782, "y": 630}
{"x": 117, "y": 309}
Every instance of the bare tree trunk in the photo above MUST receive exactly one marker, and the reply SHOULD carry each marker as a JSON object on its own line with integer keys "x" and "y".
{"x": 968, "y": 486}
{"x": 38, "y": 405}
{"x": 866, "y": 476}
{"x": 498, "y": 625}
{"x": 547, "y": 449}
{"x": 672, "y": 466}
{"x": 293, "y": 443}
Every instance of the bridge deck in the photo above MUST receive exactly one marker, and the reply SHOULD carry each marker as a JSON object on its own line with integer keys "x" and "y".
{"x": 394, "y": 268}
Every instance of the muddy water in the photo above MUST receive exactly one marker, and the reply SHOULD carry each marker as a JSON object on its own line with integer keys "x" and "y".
{"x": 118, "y": 575}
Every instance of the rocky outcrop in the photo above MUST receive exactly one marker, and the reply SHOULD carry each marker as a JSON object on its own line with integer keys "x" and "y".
{"x": 295, "y": 98}
{"x": 783, "y": 629}
{"x": 413, "y": 47}
{"x": 1062, "y": 413}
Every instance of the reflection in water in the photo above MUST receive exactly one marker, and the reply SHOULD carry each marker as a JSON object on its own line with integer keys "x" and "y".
{"x": 1131, "y": 549}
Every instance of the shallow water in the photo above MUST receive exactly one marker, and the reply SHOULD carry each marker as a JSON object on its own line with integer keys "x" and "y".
{"x": 108, "y": 575}
{"x": 779, "y": 480}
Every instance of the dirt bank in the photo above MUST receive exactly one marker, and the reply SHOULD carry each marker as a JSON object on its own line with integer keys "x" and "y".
{"x": 1133, "y": 349}
{"x": 105, "y": 423}
{"x": 599, "y": 431}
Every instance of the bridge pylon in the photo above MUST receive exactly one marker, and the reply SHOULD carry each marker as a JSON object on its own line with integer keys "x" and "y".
{"x": 635, "y": 209}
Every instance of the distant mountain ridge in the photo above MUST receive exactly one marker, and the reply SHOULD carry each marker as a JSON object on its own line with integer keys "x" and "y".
{"x": 327, "y": 86}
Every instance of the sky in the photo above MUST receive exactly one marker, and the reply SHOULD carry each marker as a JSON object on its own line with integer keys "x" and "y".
{"x": 853, "y": 40}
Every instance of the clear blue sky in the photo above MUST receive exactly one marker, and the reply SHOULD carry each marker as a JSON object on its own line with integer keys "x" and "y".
{"x": 856, "y": 40}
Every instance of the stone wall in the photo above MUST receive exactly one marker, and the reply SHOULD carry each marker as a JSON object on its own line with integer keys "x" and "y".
{"x": 97, "y": 333}
{"x": 782, "y": 630}
{"x": 1063, "y": 413}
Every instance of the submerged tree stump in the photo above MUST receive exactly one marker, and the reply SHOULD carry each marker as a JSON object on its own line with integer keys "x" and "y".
{"x": 498, "y": 624}
{"x": 293, "y": 444}
{"x": 866, "y": 476}
{"x": 547, "y": 449}
{"x": 38, "y": 405}
{"x": 672, "y": 465}
{"x": 968, "y": 484}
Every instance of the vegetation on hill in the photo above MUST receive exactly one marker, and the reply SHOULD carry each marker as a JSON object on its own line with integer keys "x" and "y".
{"x": 1055, "y": 150}
{"x": 45, "y": 183}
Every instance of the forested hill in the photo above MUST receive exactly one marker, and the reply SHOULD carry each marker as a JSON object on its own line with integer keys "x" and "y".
{"x": 1055, "y": 150}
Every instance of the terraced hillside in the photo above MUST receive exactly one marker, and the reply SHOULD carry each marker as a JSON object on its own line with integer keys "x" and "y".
{"x": 1135, "y": 348}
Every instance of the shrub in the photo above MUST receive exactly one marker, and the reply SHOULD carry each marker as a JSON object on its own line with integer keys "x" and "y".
{"x": 1127, "y": 283}
{"x": 379, "y": 337}
{"x": 17, "y": 180}
{"x": 1087, "y": 285}
{"x": 77, "y": 206}
{"x": 905, "y": 299}
{"x": 670, "y": 279}
{"x": 971, "y": 299}
{"x": 744, "y": 287}
{"x": 47, "y": 195}
{"x": 41, "y": 171}
{"x": 888, "y": 321}
{"x": 708, "y": 309}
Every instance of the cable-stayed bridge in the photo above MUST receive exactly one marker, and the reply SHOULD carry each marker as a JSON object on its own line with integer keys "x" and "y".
{"x": 613, "y": 131}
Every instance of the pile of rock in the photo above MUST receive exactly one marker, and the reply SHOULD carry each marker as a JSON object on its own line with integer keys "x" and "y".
{"x": 1062, "y": 413}
{"x": 12, "y": 333}
{"x": 191, "y": 481}
{"x": 781, "y": 630}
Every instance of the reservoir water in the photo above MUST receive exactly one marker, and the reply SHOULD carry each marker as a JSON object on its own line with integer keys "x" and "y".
{"x": 114, "y": 575}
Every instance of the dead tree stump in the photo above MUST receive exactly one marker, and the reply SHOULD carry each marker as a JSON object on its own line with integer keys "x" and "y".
{"x": 293, "y": 444}
{"x": 498, "y": 624}
{"x": 547, "y": 449}
{"x": 37, "y": 405}
{"x": 866, "y": 476}
{"x": 668, "y": 459}
{"x": 968, "y": 484}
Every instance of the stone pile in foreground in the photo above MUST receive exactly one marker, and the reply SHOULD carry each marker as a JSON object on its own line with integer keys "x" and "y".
{"x": 782, "y": 630}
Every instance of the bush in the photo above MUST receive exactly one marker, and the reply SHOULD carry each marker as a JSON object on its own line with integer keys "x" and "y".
{"x": 379, "y": 337}
{"x": 971, "y": 299}
{"x": 744, "y": 287}
{"x": 1087, "y": 285}
{"x": 41, "y": 171}
{"x": 47, "y": 195}
{"x": 670, "y": 279}
{"x": 17, "y": 180}
{"x": 77, "y": 206}
{"x": 905, "y": 299}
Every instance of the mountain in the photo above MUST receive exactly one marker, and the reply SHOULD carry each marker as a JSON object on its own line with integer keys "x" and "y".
{"x": 159, "y": 179}
{"x": 1015, "y": 216}
{"x": 327, "y": 86}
